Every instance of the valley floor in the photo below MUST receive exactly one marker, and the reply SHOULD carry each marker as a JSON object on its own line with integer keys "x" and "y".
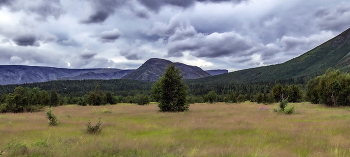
{"x": 245, "y": 129}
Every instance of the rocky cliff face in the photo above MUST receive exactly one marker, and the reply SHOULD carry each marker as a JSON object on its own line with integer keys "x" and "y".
{"x": 154, "y": 68}
{"x": 19, "y": 74}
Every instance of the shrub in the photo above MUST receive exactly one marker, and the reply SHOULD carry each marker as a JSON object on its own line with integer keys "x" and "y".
{"x": 53, "y": 120}
{"x": 284, "y": 108}
{"x": 81, "y": 102}
{"x": 142, "y": 99}
{"x": 211, "y": 97}
{"x": 90, "y": 129}
{"x": 289, "y": 110}
{"x": 283, "y": 104}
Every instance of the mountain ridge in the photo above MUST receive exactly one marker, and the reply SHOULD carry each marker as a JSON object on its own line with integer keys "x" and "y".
{"x": 334, "y": 53}
{"x": 154, "y": 68}
{"x": 20, "y": 74}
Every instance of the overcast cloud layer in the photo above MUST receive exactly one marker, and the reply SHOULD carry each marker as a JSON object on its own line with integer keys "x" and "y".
{"x": 211, "y": 34}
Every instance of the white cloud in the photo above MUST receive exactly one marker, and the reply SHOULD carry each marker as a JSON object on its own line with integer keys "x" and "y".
{"x": 225, "y": 35}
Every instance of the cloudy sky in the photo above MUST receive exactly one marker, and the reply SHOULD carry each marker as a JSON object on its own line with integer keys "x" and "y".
{"x": 211, "y": 34}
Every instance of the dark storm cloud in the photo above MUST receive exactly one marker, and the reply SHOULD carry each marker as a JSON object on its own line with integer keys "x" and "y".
{"x": 68, "y": 42}
{"x": 48, "y": 8}
{"x": 132, "y": 57}
{"x": 5, "y": 2}
{"x": 41, "y": 8}
{"x": 141, "y": 14}
{"x": 33, "y": 40}
{"x": 105, "y": 8}
{"x": 87, "y": 54}
{"x": 213, "y": 45}
{"x": 335, "y": 20}
{"x": 156, "y": 5}
{"x": 102, "y": 10}
{"x": 109, "y": 36}
{"x": 26, "y": 40}
{"x": 269, "y": 51}
{"x": 321, "y": 12}
{"x": 130, "y": 54}
{"x": 97, "y": 17}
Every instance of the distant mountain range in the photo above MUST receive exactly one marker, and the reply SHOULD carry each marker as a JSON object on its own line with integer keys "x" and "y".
{"x": 19, "y": 74}
{"x": 151, "y": 70}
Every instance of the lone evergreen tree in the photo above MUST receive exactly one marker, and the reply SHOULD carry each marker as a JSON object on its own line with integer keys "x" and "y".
{"x": 171, "y": 91}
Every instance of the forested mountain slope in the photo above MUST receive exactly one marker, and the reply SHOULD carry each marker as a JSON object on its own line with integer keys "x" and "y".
{"x": 334, "y": 53}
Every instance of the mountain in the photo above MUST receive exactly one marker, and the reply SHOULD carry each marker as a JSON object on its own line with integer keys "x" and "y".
{"x": 20, "y": 74}
{"x": 99, "y": 76}
{"x": 154, "y": 68}
{"x": 334, "y": 53}
{"x": 217, "y": 72}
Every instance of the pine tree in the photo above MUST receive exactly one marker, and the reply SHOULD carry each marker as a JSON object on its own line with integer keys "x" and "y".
{"x": 172, "y": 91}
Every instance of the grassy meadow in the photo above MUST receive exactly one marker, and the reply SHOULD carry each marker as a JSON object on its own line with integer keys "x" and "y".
{"x": 221, "y": 129}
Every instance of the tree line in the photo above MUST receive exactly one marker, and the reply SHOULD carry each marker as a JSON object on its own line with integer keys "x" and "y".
{"x": 331, "y": 88}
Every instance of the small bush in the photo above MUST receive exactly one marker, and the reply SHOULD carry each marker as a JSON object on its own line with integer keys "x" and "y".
{"x": 53, "y": 120}
{"x": 81, "y": 102}
{"x": 142, "y": 99}
{"x": 289, "y": 110}
{"x": 284, "y": 108}
{"x": 90, "y": 129}
{"x": 283, "y": 104}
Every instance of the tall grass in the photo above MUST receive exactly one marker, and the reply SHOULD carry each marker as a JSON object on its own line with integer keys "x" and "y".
{"x": 205, "y": 130}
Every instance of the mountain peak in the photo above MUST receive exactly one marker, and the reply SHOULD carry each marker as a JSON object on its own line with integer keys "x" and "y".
{"x": 154, "y": 68}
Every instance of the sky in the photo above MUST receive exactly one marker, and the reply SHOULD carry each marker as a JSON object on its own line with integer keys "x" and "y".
{"x": 211, "y": 34}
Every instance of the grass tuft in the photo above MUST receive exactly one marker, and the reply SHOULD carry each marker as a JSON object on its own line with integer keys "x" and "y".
{"x": 94, "y": 129}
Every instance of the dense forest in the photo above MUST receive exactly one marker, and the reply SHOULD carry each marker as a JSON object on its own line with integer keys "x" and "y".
{"x": 123, "y": 87}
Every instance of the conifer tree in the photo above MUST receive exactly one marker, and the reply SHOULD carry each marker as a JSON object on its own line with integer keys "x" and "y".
{"x": 172, "y": 91}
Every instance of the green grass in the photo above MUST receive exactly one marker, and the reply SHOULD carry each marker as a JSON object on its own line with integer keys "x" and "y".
{"x": 219, "y": 129}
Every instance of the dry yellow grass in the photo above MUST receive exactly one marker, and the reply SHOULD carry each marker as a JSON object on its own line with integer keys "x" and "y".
{"x": 206, "y": 130}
